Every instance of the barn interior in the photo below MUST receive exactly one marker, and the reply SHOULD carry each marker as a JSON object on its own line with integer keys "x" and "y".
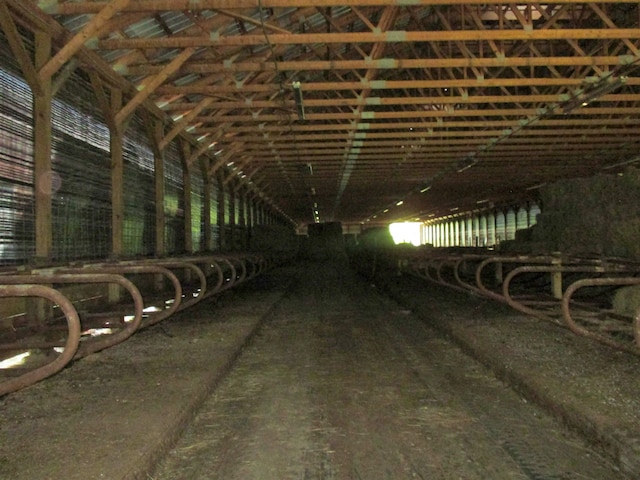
{"x": 184, "y": 183}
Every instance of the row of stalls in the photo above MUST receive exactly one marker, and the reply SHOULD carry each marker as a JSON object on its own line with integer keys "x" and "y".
{"x": 55, "y": 315}
{"x": 593, "y": 296}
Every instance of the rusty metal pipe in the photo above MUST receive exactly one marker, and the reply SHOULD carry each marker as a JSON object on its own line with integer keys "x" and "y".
{"x": 456, "y": 270}
{"x": 211, "y": 262}
{"x": 71, "y": 278}
{"x": 228, "y": 282}
{"x": 240, "y": 272}
{"x": 70, "y": 347}
{"x": 603, "y": 268}
{"x": 523, "y": 259}
{"x": 122, "y": 269}
{"x": 186, "y": 265}
{"x": 574, "y": 327}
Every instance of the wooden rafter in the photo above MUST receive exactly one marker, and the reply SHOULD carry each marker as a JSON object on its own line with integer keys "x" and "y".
{"x": 81, "y": 38}
{"x": 148, "y": 88}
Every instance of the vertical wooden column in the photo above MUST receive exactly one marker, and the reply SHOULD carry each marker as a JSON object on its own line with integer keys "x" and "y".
{"x": 556, "y": 279}
{"x": 158, "y": 176}
{"x": 43, "y": 188}
{"x": 117, "y": 179}
{"x": 116, "y": 146}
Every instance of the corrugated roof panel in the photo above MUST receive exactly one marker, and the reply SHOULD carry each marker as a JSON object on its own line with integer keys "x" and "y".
{"x": 176, "y": 21}
{"x": 187, "y": 79}
{"x": 147, "y": 28}
{"x": 74, "y": 23}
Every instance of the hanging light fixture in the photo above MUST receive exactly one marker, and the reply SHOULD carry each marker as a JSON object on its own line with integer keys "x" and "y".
{"x": 297, "y": 95}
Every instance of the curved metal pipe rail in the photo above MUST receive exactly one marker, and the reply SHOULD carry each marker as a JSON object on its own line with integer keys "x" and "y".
{"x": 229, "y": 269}
{"x": 202, "y": 279}
{"x": 104, "y": 341}
{"x": 70, "y": 347}
{"x": 524, "y": 305}
{"x": 554, "y": 306}
{"x": 462, "y": 261}
{"x": 499, "y": 260}
{"x": 604, "y": 339}
{"x": 126, "y": 269}
{"x": 201, "y": 265}
{"x": 229, "y": 272}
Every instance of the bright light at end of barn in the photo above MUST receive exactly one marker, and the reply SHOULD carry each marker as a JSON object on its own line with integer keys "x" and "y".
{"x": 406, "y": 232}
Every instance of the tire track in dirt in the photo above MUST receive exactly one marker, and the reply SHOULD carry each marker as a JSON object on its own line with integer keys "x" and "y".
{"x": 340, "y": 383}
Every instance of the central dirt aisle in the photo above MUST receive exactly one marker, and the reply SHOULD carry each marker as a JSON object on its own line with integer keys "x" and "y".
{"x": 341, "y": 383}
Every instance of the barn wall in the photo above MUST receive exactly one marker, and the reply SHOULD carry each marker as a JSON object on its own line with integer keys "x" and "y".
{"x": 81, "y": 183}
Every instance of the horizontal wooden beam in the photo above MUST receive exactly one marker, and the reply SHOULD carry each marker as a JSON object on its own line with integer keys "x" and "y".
{"x": 386, "y": 64}
{"x": 516, "y": 113}
{"x": 447, "y": 124}
{"x": 82, "y": 38}
{"x": 147, "y": 89}
{"x": 390, "y": 101}
{"x": 382, "y": 85}
{"x": 372, "y": 37}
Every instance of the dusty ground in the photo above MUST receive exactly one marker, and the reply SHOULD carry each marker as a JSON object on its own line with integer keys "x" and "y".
{"x": 113, "y": 414}
{"x": 342, "y": 383}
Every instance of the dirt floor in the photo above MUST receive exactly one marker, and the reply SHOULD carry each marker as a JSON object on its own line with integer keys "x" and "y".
{"x": 113, "y": 414}
{"x": 309, "y": 372}
{"x": 342, "y": 383}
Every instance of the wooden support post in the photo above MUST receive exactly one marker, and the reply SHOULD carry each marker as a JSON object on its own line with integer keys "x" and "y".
{"x": 117, "y": 180}
{"x": 42, "y": 155}
{"x": 556, "y": 281}
{"x": 117, "y": 192}
{"x": 39, "y": 309}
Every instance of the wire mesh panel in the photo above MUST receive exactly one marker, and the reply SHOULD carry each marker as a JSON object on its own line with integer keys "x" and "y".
{"x": 17, "y": 208}
{"x": 173, "y": 200}
{"x": 139, "y": 200}
{"x": 213, "y": 212}
{"x": 197, "y": 210}
{"x": 81, "y": 175}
